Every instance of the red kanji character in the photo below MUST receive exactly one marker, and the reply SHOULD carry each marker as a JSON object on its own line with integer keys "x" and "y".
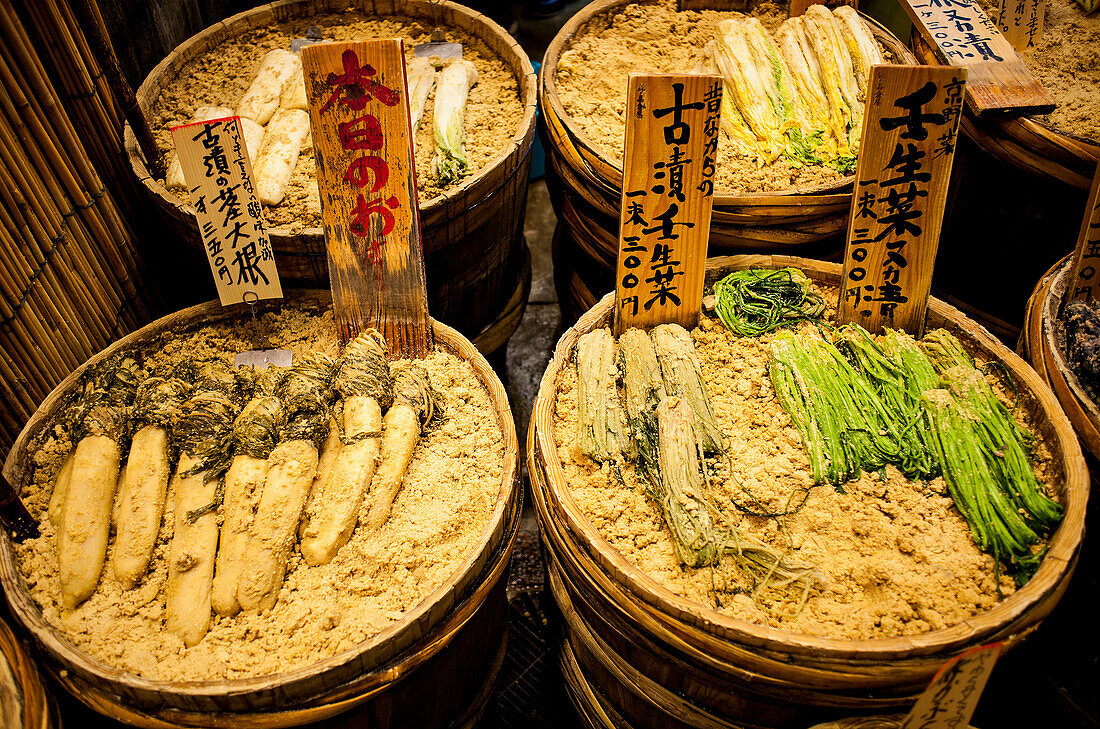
{"x": 360, "y": 169}
{"x": 360, "y": 85}
{"x": 369, "y": 137}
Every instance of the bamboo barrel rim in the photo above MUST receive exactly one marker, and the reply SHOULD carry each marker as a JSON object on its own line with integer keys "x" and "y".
{"x": 1027, "y": 142}
{"x": 26, "y": 691}
{"x": 472, "y": 191}
{"x": 1080, "y": 408}
{"x": 431, "y": 609}
{"x": 1047, "y": 583}
{"x": 607, "y": 174}
{"x": 334, "y": 702}
{"x": 773, "y": 676}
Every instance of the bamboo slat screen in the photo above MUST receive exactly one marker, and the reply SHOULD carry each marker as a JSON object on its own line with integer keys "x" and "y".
{"x": 70, "y": 278}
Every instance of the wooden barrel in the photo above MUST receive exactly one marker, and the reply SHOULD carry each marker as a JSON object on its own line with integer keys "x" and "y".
{"x": 587, "y": 185}
{"x": 472, "y": 235}
{"x": 432, "y": 667}
{"x": 1030, "y": 144}
{"x": 1015, "y": 181}
{"x": 1040, "y": 344}
{"x": 662, "y": 661}
{"x": 24, "y": 703}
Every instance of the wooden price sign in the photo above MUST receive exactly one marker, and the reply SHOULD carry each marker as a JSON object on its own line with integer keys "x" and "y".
{"x": 668, "y": 190}
{"x": 1021, "y": 22}
{"x": 1086, "y": 257}
{"x": 950, "y": 700}
{"x": 219, "y": 177}
{"x": 904, "y": 167}
{"x": 362, "y": 140}
{"x": 964, "y": 37}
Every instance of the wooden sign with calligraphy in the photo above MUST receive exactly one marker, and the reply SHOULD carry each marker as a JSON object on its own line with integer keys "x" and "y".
{"x": 668, "y": 191}
{"x": 950, "y": 700}
{"x": 219, "y": 177}
{"x": 1021, "y": 22}
{"x": 1086, "y": 257}
{"x": 964, "y": 37}
{"x": 904, "y": 167}
{"x": 362, "y": 141}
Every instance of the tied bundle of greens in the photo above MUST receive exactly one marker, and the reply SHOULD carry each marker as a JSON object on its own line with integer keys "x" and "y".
{"x": 995, "y": 524}
{"x": 1022, "y": 512}
{"x": 668, "y": 443}
{"x": 800, "y": 95}
{"x": 844, "y": 425}
{"x": 927, "y": 409}
{"x": 899, "y": 372}
{"x": 601, "y": 425}
{"x": 756, "y": 301}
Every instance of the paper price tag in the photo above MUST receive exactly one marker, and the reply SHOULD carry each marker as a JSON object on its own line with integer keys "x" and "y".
{"x": 359, "y": 115}
{"x": 904, "y": 167}
{"x": 219, "y": 179}
{"x": 668, "y": 191}
{"x": 950, "y": 700}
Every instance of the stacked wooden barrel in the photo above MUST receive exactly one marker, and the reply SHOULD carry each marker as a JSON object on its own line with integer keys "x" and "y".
{"x": 1017, "y": 180}
{"x": 638, "y": 655}
{"x": 24, "y": 703}
{"x": 1041, "y": 344}
{"x": 476, "y": 260}
{"x": 435, "y": 667}
{"x": 586, "y": 187}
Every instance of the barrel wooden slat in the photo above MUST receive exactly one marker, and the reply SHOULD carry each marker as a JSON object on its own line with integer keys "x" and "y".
{"x": 734, "y": 670}
{"x": 1040, "y": 343}
{"x": 348, "y": 678}
{"x": 24, "y": 703}
{"x": 1026, "y": 142}
{"x": 471, "y": 233}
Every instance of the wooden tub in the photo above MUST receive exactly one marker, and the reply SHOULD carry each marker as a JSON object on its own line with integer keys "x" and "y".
{"x": 656, "y": 660}
{"x": 586, "y": 184}
{"x": 475, "y": 256}
{"x": 1016, "y": 181}
{"x": 1040, "y": 345}
{"x": 433, "y": 667}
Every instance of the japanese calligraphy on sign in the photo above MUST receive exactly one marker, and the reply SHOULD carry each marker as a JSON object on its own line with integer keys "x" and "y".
{"x": 219, "y": 176}
{"x": 963, "y": 36}
{"x": 1021, "y": 22}
{"x": 668, "y": 190}
{"x": 362, "y": 141}
{"x": 902, "y": 176}
{"x": 1086, "y": 258}
{"x": 950, "y": 700}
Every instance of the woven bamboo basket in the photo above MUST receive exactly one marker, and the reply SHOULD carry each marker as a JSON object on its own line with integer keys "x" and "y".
{"x": 24, "y": 703}
{"x": 663, "y": 661}
{"x": 433, "y": 667}
{"x": 1028, "y": 143}
{"x": 1041, "y": 345}
{"x": 472, "y": 235}
{"x": 587, "y": 185}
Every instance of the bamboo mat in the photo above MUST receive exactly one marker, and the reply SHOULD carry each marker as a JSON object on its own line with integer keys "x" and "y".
{"x": 69, "y": 268}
